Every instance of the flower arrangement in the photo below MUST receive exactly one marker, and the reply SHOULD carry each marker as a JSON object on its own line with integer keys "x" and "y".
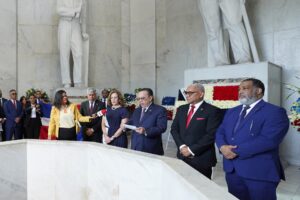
{"x": 33, "y": 91}
{"x": 295, "y": 108}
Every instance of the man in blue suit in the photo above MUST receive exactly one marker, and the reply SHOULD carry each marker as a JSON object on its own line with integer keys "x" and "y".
{"x": 249, "y": 139}
{"x": 13, "y": 112}
{"x": 151, "y": 122}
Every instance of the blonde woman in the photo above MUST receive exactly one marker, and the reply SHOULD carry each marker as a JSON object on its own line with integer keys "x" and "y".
{"x": 116, "y": 115}
{"x": 64, "y": 118}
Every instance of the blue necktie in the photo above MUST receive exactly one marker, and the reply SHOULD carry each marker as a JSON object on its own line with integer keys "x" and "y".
{"x": 241, "y": 117}
{"x": 142, "y": 114}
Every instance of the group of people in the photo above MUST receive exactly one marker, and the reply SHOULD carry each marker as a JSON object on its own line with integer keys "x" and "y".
{"x": 248, "y": 136}
{"x": 105, "y": 121}
{"x": 20, "y": 118}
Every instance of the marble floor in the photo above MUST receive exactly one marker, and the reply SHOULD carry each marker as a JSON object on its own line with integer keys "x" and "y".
{"x": 287, "y": 190}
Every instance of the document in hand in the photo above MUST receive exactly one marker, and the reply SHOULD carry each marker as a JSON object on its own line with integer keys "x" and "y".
{"x": 130, "y": 127}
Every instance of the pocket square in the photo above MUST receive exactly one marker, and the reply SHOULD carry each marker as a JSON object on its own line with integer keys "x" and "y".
{"x": 200, "y": 118}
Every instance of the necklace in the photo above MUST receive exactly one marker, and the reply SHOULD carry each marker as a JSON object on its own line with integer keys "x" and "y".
{"x": 114, "y": 108}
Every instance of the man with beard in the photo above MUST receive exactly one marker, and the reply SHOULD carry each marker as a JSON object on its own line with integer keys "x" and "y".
{"x": 249, "y": 139}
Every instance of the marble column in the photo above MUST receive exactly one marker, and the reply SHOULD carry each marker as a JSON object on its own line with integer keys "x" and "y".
{"x": 8, "y": 44}
{"x": 142, "y": 43}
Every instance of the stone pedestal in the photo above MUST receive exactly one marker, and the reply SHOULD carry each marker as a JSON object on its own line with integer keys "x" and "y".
{"x": 75, "y": 95}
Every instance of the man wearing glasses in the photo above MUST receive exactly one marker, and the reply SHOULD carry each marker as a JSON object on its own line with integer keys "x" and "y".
{"x": 194, "y": 129}
{"x": 150, "y": 121}
{"x": 13, "y": 113}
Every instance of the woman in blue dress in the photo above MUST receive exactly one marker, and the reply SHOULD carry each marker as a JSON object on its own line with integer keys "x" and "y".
{"x": 115, "y": 117}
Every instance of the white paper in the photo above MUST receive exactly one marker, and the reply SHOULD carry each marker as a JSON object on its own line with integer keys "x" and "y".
{"x": 131, "y": 127}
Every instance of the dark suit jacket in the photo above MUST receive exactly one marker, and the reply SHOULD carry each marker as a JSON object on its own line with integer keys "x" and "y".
{"x": 257, "y": 139}
{"x": 28, "y": 111}
{"x": 155, "y": 123}
{"x": 200, "y": 134}
{"x": 11, "y": 113}
{"x": 2, "y": 114}
{"x": 95, "y": 123}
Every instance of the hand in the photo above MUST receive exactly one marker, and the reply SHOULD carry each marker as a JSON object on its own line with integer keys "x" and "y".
{"x": 17, "y": 119}
{"x": 89, "y": 132}
{"x": 94, "y": 116}
{"x": 140, "y": 130}
{"x": 77, "y": 15}
{"x": 85, "y": 36}
{"x": 185, "y": 151}
{"x": 107, "y": 139}
{"x": 227, "y": 151}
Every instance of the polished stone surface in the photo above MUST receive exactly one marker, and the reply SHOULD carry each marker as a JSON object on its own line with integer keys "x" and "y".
{"x": 36, "y": 169}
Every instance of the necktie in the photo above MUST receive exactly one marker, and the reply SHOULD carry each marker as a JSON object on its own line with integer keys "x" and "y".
{"x": 241, "y": 117}
{"x": 142, "y": 114}
{"x": 15, "y": 105}
{"x": 189, "y": 117}
{"x": 91, "y": 107}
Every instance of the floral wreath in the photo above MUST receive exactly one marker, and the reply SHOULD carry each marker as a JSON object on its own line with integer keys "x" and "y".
{"x": 295, "y": 108}
{"x": 33, "y": 91}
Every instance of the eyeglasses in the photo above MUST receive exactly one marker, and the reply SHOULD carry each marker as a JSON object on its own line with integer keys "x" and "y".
{"x": 141, "y": 98}
{"x": 189, "y": 93}
{"x": 13, "y": 93}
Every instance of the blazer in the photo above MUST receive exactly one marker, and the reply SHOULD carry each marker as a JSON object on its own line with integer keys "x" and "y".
{"x": 94, "y": 123}
{"x": 199, "y": 136}
{"x": 28, "y": 111}
{"x": 257, "y": 139}
{"x": 155, "y": 123}
{"x": 11, "y": 113}
{"x": 54, "y": 120}
{"x": 2, "y": 107}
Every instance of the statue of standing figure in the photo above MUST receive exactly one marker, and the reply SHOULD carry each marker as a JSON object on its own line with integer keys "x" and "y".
{"x": 71, "y": 35}
{"x": 228, "y": 14}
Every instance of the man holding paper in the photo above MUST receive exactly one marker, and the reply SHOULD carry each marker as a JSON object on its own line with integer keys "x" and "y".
{"x": 150, "y": 121}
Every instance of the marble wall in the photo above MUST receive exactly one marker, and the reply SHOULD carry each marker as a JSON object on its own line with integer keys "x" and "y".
{"x": 8, "y": 45}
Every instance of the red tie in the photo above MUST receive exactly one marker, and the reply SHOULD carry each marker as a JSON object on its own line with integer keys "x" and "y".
{"x": 14, "y": 102}
{"x": 189, "y": 117}
{"x": 91, "y": 108}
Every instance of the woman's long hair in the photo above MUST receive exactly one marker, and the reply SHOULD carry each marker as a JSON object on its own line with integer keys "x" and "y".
{"x": 120, "y": 97}
{"x": 58, "y": 98}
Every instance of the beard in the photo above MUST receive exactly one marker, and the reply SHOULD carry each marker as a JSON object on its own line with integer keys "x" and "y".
{"x": 247, "y": 100}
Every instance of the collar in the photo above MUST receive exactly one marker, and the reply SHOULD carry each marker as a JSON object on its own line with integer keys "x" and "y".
{"x": 197, "y": 105}
{"x": 146, "y": 109}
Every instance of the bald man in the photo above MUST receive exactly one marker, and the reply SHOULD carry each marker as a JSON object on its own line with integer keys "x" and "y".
{"x": 194, "y": 129}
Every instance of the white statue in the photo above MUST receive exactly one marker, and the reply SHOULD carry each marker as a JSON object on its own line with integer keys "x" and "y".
{"x": 71, "y": 34}
{"x": 227, "y": 14}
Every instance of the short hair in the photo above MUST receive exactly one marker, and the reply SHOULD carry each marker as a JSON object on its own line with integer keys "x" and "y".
{"x": 148, "y": 90}
{"x": 199, "y": 86}
{"x": 256, "y": 83}
{"x": 91, "y": 90}
{"x": 12, "y": 90}
{"x": 120, "y": 97}
{"x": 58, "y": 97}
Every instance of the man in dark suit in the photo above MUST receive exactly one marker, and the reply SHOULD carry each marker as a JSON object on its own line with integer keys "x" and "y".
{"x": 13, "y": 112}
{"x": 249, "y": 139}
{"x": 2, "y": 116}
{"x": 151, "y": 122}
{"x": 194, "y": 129}
{"x": 92, "y": 131}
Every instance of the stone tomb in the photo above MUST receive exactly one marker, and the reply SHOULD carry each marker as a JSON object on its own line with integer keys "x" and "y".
{"x": 34, "y": 169}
